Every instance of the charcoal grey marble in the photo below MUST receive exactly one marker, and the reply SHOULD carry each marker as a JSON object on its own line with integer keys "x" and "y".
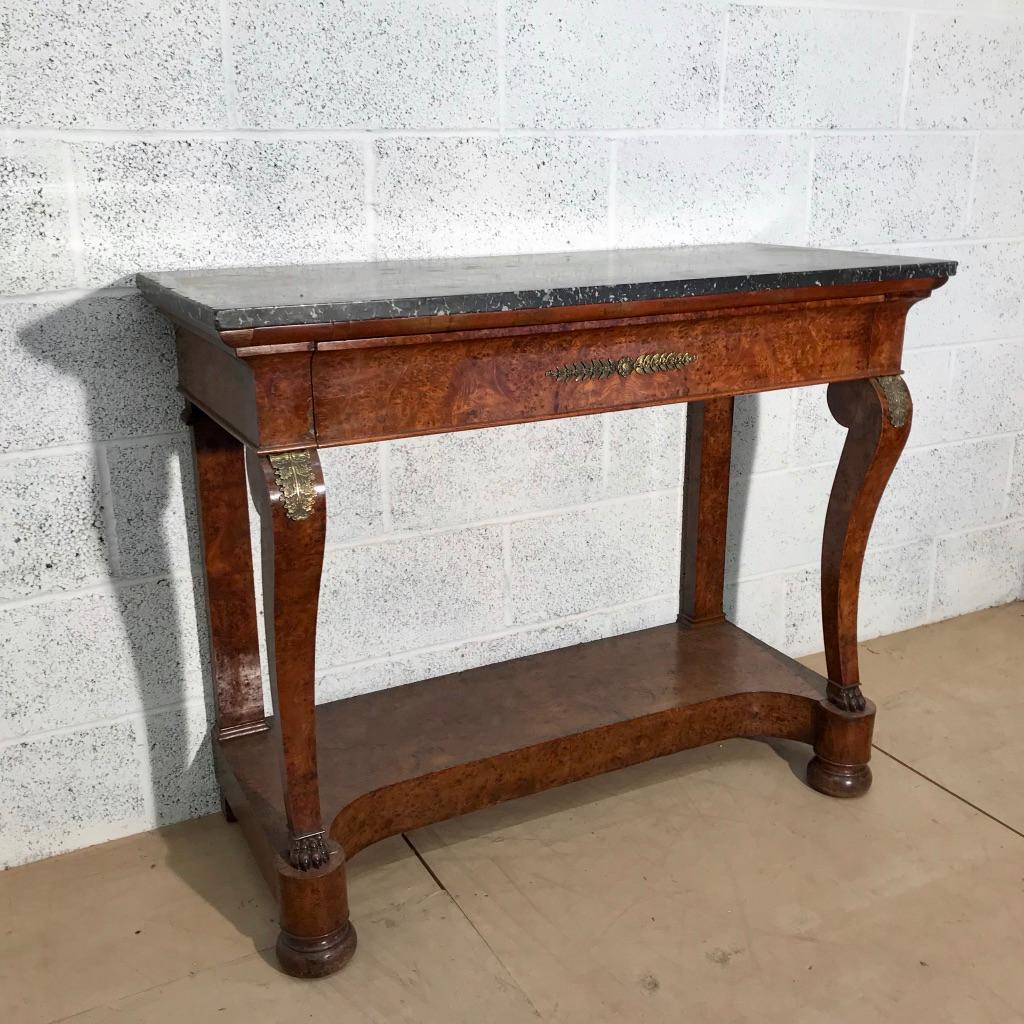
{"x": 247, "y": 297}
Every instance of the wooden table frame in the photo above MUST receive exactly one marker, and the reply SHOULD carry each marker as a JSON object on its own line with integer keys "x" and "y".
{"x": 265, "y": 399}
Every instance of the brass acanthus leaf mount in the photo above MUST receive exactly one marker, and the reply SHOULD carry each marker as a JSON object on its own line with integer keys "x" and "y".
{"x": 897, "y": 397}
{"x": 293, "y": 472}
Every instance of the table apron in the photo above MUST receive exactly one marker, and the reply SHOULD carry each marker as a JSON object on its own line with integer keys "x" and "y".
{"x": 465, "y": 380}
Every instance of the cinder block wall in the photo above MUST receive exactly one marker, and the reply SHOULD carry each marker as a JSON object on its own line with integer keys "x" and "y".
{"x": 151, "y": 136}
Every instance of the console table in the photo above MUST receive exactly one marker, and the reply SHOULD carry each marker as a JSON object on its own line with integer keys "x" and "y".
{"x": 278, "y": 362}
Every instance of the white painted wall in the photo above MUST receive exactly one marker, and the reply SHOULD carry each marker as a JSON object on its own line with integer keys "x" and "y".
{"x": 143, "y": 135}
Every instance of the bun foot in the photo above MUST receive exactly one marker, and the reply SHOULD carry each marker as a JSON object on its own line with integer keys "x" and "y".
{"x": 316, "y": 958}
{"x": 841, "y": 780}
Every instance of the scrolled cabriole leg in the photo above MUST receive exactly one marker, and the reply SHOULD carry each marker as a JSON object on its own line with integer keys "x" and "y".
{"x": 291, "y": 498}
{"x": 316, "y": 936}
{"x": 877, "y": 413}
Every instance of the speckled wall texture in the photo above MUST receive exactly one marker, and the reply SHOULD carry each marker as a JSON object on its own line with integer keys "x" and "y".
{"x": 145, "y": 135}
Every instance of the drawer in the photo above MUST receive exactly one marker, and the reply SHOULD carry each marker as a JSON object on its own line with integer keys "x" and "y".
{"x": 378, "y": 388}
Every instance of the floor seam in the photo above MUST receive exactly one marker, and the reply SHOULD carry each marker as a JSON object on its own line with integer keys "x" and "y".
{"x": 946, "y": 789}
{"x": 430, "y": 871}
{"x": 472, "y": 924}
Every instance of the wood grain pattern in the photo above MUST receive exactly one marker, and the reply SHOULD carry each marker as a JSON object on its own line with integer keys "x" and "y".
{"x": 227, "y": 561}
{"x": 876, "y": 436}
{"x": 458, "y": 381}
{"x": 293, "y": 551}
{"x": 401, "y": 758}
{"x": 284, "y": 399}
{"x": 214, "y": 380}
{"x": 705, "y": 510}
{"x": 264, "y": 400}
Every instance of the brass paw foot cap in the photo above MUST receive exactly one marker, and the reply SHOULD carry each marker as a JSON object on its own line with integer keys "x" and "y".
{"x": 316, "y": 958}
{"x": 839, "y": 780}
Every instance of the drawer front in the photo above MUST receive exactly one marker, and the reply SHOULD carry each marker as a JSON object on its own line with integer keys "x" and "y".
{"x": 431, "y": 383}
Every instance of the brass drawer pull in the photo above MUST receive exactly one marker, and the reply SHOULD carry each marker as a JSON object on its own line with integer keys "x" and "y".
{"x": 601, "y": 369}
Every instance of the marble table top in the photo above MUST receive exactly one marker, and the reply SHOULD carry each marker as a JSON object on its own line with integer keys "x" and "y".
{"x": 248, "y": 297}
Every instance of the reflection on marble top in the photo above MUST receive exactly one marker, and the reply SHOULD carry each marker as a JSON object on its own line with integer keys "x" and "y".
{"x": 239, "y": 298}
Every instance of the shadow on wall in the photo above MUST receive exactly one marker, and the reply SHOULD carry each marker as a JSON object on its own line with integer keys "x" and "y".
{"x": 152, "y": 632}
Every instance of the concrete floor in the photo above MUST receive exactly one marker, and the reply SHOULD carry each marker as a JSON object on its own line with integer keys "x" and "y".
{"x": 707, "y": 886}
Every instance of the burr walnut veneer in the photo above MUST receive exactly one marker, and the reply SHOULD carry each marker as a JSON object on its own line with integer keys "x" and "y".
{"x": 278, "y": 362}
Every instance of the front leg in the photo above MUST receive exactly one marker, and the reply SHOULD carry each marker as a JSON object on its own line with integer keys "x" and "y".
{"x": 289, "y": 492}
{"x": 877, "y": 413}
{"x": 316, "y": 936}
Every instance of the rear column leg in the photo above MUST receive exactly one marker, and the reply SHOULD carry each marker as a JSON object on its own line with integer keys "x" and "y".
{"x": 705, "y": 510}
{"x": 219, "y": 461}
{"x": 227, "y": 565}
{"x": 877, "y": 413}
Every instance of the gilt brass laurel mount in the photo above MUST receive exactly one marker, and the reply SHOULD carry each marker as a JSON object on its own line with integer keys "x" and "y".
{"x": 602, "y": 369}
{"x": 293, "y": 472}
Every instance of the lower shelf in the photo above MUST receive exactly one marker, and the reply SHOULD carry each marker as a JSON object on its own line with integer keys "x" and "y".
{"x": 405, "y": 757}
